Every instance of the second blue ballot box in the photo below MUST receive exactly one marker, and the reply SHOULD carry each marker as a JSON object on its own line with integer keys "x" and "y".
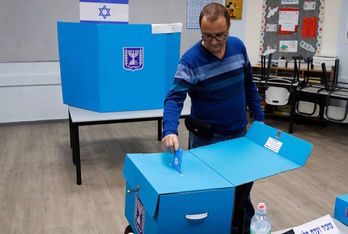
{"x": 200, "y": 199}
{"x": 341, "y": 209}
{"x": 117, "y": 67}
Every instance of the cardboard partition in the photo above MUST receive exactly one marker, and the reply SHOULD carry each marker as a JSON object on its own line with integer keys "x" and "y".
{"x": 117, "y": 67}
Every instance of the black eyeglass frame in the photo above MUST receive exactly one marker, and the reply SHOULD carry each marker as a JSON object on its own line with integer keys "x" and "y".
{"x": 207, "y": 37}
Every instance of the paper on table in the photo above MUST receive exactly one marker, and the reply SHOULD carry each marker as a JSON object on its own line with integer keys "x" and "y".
{"x": 323, "y": 225}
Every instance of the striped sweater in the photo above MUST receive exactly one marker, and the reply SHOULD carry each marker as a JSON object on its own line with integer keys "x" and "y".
{"x": 220, "y": 89}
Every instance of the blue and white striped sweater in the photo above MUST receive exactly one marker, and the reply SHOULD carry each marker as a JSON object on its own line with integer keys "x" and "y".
{"x": 220, "y": 89}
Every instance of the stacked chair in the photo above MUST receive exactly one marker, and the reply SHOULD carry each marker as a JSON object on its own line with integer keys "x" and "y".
{"x": 307, "y": 103}
{"x": 327, "y": 100}
{"x": 279, "y": 88}
{"x": 336, "y": 103}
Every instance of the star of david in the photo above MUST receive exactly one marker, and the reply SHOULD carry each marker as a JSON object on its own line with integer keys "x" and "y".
{"x": 104, "y": 11}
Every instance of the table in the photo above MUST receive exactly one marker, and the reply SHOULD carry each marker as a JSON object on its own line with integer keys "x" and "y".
{"x": 82, "y": 117}
{"x": 316, "y": 72}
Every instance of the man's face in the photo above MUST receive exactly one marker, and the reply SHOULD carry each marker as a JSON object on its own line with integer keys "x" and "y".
{"x": 214, "y": 34}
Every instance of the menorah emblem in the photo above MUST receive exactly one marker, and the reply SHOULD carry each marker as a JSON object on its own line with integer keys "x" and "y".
{"x": 133, "y": 58}
{"x": 133, "y": 54}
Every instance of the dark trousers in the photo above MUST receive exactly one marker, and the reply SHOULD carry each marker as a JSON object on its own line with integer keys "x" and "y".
{"x": 243, "y": 208}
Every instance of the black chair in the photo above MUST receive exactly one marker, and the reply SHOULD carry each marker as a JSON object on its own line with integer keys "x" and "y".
{"x": 279, "y": 89}
{"x": 307, "y": 100}
{"x": 336, "y": 103}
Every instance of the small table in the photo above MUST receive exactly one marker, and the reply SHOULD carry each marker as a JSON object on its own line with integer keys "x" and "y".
{"x": 81, "y": 117}
{"x": 317, "y": 72}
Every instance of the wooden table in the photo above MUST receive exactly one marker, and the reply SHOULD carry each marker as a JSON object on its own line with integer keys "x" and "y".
{"x": 315, "y": 72}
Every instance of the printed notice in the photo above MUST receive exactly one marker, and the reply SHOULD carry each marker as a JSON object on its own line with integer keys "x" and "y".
{"x": 288, "y": 20}
{"x": 288, "y": 46}
{"x": 271, "y": 27}
{"x": 323, "y": 225}
{"x": 273, "y": 144}
{"x": 309, "y": 5}
{"x": 290, "y": 2}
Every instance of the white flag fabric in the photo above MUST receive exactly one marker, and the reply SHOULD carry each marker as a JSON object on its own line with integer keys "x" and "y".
{"x": 104, "y": 11}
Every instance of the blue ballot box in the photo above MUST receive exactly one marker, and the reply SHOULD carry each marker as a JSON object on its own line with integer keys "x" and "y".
{"x": 341, "y": 209}
{"x": 200, "y": 200}
{"x": 117, "y": 67}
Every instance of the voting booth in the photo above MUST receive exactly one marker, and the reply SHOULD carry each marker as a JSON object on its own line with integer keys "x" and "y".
{"x": 200, "y": 199}
{"x": 117, "y": 67}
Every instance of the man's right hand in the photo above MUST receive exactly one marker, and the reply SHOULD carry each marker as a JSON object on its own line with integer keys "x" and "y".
{"x": 171, "y": 142}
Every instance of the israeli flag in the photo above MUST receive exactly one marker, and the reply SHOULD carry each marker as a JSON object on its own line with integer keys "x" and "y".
{"x": 104, "y": 11}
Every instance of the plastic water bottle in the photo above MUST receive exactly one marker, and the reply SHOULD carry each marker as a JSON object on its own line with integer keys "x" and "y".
{"x": 260, "y": 223}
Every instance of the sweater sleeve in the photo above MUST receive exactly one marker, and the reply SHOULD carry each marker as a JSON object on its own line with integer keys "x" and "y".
{"x": 252, "y": 97}
{"x": 174, "y": 101}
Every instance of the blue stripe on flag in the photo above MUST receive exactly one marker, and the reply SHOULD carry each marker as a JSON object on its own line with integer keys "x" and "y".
{"x": 103, "y": 22}
{"x": 107, "y": 1}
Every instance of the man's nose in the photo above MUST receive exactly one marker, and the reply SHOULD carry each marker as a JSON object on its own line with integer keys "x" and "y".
{"x": 214, "y": 41}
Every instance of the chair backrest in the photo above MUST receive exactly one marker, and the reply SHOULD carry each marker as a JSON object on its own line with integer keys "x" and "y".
{"x": 324, "y": 77}
{"x": 297, "y": 67}
{"x": 265, "y": 70}
{"x": 277, "y": 96}
{"x": 337, "y": 62}
{"x": 309, "y": 61}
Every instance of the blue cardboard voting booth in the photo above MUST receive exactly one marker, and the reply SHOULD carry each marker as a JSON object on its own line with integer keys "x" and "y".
{"x": 201, "y": 198}
{"x": 117, "y": 67}
{"x": 341, "y": 209}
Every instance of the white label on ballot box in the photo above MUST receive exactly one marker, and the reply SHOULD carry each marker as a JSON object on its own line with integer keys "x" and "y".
{"x": 273, "y": 144}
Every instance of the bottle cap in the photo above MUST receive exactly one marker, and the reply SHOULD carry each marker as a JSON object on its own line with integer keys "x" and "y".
{"x": 261, "y": 208}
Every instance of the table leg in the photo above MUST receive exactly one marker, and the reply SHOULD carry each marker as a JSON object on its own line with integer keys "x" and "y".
{"x": 292, "y": 112}
{"x": 71, "y": 137}
{"x": 76, "y": 152}
{"x": 159, "y": 129}
{"x": 70, "y": 130}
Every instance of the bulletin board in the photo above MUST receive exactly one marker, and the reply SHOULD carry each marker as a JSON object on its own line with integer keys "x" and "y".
{"x": 291, "y": 28}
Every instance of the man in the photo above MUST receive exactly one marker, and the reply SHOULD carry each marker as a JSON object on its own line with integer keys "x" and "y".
{"x": 217, "y": 75}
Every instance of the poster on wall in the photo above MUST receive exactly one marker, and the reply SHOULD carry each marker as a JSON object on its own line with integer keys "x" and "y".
{"x": 288, "y": 20}
{"x": 290, "y": 2}
{"x": 298, "y": 24}
{"x": 193, "y": 9}
{"x": 288, "y": 46}
{"x": 234, "y": 8}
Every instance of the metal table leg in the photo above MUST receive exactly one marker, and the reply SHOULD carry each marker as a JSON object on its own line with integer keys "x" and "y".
{"x": 71, "y": 137}
{"x": 159, "y": 129}
{"x": 76, "y": 152}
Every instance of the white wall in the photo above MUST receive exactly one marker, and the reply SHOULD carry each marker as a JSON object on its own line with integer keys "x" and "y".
{"x": 238, "y": 27}
{"x": 253, "y": 27}
{"x": 342, "y": 46}
{"x": 30, "y": 92}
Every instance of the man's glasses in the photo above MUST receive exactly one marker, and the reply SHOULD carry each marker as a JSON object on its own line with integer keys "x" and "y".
{"x": 209, "y": 37}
